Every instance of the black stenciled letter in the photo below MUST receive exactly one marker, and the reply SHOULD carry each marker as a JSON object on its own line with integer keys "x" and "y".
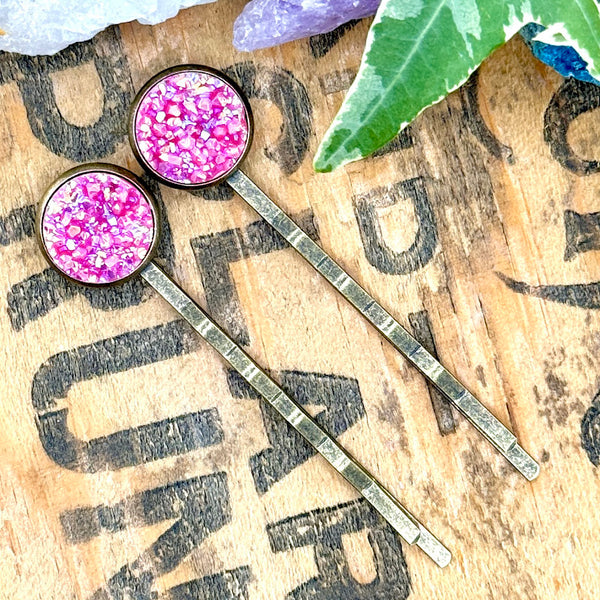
{"x": 127, "y": 447}
{"x": 421, "y": 327}
{"x": 590, "y": 431}
{"x": 320, "y": 45}
{"x": 572, "y": 99}
{"x": 323, "y": 529}
{"x": 226, "y": 585}
{"x": 200, "y": 506}
{"x": 582, "y": 234}
{"x": 17, "y": 225}
{"x": 290, "y": 96}
{"x": 476, "y": 123}
{"x": 216, "y": 251}
{"x": 343, "y": 404}
{"x": 32, "y": 75}
{"x": 378, "y": 253}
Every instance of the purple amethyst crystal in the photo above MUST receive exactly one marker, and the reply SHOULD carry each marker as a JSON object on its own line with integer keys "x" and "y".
{"x": 266, "y": 23}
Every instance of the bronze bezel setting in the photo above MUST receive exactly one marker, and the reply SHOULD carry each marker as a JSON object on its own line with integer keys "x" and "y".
{"x": 98, "y": 167}
{"x": 133, "y": 110}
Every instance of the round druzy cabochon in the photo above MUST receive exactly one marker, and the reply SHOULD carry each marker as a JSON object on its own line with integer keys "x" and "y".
{"x": 97, "y": 227}
{"x": 191, "y": 126}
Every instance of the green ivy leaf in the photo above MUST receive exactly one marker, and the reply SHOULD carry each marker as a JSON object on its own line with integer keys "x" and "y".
{"x": 418, "y": 51}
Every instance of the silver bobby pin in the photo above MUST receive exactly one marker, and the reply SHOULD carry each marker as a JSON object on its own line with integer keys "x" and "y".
{"x": 382, "y": 501}
{"x": 190, "y": 127}
{"x": 98, "y": 225}
{"x": 489, "y": 426}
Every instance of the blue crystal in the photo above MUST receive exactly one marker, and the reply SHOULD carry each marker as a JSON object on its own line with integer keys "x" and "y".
{"x": 564, "y": 59}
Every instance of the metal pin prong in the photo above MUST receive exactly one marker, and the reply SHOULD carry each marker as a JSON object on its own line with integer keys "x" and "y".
{"x": 521, "y": 461}
{"x": 438, "y": 553}
{"x": 487, "y": 424}
{"x": 372, "y": 490}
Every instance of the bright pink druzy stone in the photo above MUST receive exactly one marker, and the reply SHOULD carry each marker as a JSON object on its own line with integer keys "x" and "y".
{"x": 191, "y": 127}
{"x": 98, "y": 227}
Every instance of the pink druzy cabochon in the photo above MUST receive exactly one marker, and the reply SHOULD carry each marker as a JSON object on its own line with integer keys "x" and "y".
{"x": 97, "y": 227}
{"x": 191, "y": 127}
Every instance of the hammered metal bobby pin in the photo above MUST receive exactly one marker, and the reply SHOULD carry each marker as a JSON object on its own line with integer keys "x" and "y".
{"x": 190, "y": 126}
{"x": 98, "y": 225}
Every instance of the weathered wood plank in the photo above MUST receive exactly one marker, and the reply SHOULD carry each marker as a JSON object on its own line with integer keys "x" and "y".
{"x": 134, "y": 462}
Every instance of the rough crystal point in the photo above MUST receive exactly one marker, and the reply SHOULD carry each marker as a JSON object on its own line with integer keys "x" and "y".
{"x": 98, "y": 228}
{"x": 47, "y": 26}
{"x": 265, "y": 23}
{"x": 564, "y": 59}
{"x": 191, "y": 128}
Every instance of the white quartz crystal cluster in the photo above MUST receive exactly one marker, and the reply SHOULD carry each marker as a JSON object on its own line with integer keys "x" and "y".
{"x": 47, "y": 26}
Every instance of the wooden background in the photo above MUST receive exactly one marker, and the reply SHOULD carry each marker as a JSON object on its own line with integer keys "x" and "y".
{"x": 134, "y": 466}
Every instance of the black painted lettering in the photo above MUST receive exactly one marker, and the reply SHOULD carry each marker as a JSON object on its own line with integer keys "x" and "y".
{"x": 476, "y": 123}
{"x": 289, "y": 94}
{"x": 582, "y": 233}
{"x": 583, "y": 295}
{"x": 323, "y": 529}
{"x": 320, "y": 45}
{"x": 200, "y": 507}
{"x": 17, "y": 225}
{"x": 378, "y": 253}
{"x": 571, "y": 100}
{"x": 590, "y": 431}
{"x": 216, "y": 251}
{"x": 227, "y": 585}
{"x": 128, "y": 447}
{"x": 343, "y": 407}
{"x": 33, "y": 77}
{"x": 421, "y": 327}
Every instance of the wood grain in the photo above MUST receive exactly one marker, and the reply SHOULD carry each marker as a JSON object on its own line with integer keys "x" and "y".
{"x": 136, "y": 466}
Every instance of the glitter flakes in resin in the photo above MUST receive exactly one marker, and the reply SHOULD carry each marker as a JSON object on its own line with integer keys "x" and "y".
{"x": 98, "y": 228}
{"x": 191, "y": 127}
